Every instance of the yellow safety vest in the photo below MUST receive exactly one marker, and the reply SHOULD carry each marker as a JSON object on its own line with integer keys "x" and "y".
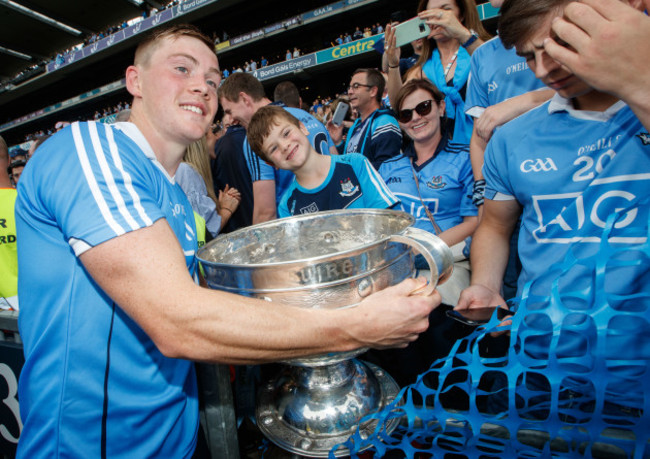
{"x": 8, "y": 251}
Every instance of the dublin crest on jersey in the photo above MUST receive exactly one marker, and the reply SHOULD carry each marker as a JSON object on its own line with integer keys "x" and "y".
{"x": 436, "y": 183}
{"x": 348, "y": 189}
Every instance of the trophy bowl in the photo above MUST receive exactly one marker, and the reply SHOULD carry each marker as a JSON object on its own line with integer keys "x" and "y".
{"x": 330, "y": 260}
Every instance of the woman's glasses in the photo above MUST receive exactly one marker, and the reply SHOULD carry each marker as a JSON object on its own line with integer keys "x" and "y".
{"x": 422, "y": 109}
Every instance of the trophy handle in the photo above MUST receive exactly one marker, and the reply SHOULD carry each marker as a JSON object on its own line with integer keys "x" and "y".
{"x": 437, "y": 254}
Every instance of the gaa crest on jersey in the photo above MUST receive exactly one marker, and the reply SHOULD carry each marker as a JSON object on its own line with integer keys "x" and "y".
{"x": 436, "y": 183}
{"x": 348, "y": 188}
{"x": 645, "y": 138}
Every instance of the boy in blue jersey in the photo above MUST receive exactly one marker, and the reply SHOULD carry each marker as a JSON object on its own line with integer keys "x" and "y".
{"x": 111, "y": 316}
{"x": 566, "y": 167}
{"x": 241, "y": 95}
{"x": 321, "y": 182}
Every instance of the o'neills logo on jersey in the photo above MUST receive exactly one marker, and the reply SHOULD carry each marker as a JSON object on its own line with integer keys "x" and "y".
{"x": 348, "y": 189}
{"x": 538, "y": 165}
{"x": 645, "y": 138}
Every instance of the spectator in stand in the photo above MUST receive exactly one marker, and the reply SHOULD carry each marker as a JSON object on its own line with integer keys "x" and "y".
{"x": 253, "y": 65}
{"x": 277, "y": 137}
{"x": 287, "y": 56}
{"x": 195, "y": 178}
{"x": 373, "y": 29}
{"x": 287, "y": 92}
{"x": 15, "y": 170}
{"x": 456, "y": 32}
{"x": 339, "y": 40}
{"x": 380, "y": 28}
{"x": 347, "y": 38}
{"x": 367, "y": 32}
{"x": 264, "y": 62}
{"x": 376, "y": 133}
{"x": 296, "y": 52}
{"x": 229, "y": 169}
{"x": 241, "y": 96}
{"x": 8, "y": 253}
{"x": 357, "y": 34}
{"x": 501, "y": 87}
{"x": 225, "y": 73}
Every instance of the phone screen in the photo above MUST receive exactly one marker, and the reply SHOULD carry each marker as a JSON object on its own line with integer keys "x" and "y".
{"x": 478, "y": 316}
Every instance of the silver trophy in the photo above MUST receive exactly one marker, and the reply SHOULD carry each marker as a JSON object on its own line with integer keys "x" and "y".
{"x": 330, "y": 260}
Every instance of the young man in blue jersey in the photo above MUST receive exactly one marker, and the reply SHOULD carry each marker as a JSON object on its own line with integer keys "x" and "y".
{"x": 321, "y": 182}
{"x": 241, "y": 95}
{"x": 111, "y": 315}
{"x": 565, "y": 167}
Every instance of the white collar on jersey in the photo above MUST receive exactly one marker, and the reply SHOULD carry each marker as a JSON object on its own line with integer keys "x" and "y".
{"x": 559, "y": 104}
{"x": 132, "y": 131}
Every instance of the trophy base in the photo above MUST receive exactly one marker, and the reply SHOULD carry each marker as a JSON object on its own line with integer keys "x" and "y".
{"x": 308, "y": 411}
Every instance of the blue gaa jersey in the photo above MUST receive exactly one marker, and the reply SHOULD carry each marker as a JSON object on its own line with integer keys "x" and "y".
{"x": 446, "y": 183}
{"x": 93, "y": 383}
{"x": 260, "y": 170}
{"x": 352, "y": 183}
{"x": 571, "y": 171}
{"x": 497, "y": 74}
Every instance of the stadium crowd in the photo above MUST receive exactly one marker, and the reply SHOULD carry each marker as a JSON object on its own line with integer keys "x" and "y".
{"x": 472, "y": 135}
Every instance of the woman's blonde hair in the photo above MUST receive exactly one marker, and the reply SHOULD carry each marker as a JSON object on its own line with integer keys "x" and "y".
{"x": 196, "y": 155}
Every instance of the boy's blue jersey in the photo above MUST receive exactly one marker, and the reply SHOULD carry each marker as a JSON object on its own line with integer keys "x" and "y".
{"x": 352, "y": 183}
{"x": 94, "y": 384}
{"x": 497, "y": 74}
{"x": 445, "y": 181}
{"x": 318, "y": 137}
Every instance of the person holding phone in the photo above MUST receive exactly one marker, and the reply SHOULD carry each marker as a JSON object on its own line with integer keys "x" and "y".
{"x": 456, "y": 31}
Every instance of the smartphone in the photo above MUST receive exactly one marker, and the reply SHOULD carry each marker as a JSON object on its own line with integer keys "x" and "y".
{"x": 478, "y": 316}
{"x": 411, "y": 30}
{"x": 339, "y": 113}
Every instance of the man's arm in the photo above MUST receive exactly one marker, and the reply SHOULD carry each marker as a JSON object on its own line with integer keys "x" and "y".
{"x": 385, "y": 140}
{"x": 263, "y": 201}
{"x": 489, "y": 254}
{"x": 499, "y": 114}
{"x": 608, "y": 48}
{"x": 144, "y": 272}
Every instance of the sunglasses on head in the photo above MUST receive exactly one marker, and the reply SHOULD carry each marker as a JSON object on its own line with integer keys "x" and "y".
{"x": 422, "y": 109}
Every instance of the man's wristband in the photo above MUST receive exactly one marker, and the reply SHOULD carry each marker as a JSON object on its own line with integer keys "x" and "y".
{"x": 472, "y": 38}
{"x": 225, "y": 208}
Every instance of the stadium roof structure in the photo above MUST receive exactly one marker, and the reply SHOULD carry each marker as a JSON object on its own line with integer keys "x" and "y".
{"x": 34, "y": 31}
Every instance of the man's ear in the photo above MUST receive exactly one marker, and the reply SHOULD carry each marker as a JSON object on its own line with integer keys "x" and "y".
{"x": 373, "y": 92}
{"x": 248, "y": 100}
{"x": 133, "y": 81}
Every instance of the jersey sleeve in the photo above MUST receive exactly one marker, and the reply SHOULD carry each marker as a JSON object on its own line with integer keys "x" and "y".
{"x": 93, "y": 186}
{"x": 258, "y": 168}
{"x": 386, "y": 139}
{"x": 466, "y": 178}
{"x": 376, "y": 194}
{"x": 476, "y": 99}
{"x": 495, "y": 168}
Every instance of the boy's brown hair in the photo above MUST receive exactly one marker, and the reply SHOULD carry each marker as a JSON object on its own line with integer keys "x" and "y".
{"x": 260, "y": 127}
{"x": 519, "y": 19}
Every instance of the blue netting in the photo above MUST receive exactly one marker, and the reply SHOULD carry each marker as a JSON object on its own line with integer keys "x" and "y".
{"x": 574, "y": 381}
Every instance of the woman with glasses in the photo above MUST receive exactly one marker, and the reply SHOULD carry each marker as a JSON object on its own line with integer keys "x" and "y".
{"x": 433, "y": 178}
{"x": 456, "y": 31}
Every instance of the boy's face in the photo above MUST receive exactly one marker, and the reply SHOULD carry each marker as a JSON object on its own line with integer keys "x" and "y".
{"x": 287, "y": 145}
{"x": 550, "y": 72}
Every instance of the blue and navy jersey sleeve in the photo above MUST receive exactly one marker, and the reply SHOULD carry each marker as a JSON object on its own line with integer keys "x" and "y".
{"x": 385, "y": 140}
{"x": 376, "y": 194}
{"x": 318, "y": 135}
{"x": 258, "y": 168}
{"x": 98, "y": 190}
